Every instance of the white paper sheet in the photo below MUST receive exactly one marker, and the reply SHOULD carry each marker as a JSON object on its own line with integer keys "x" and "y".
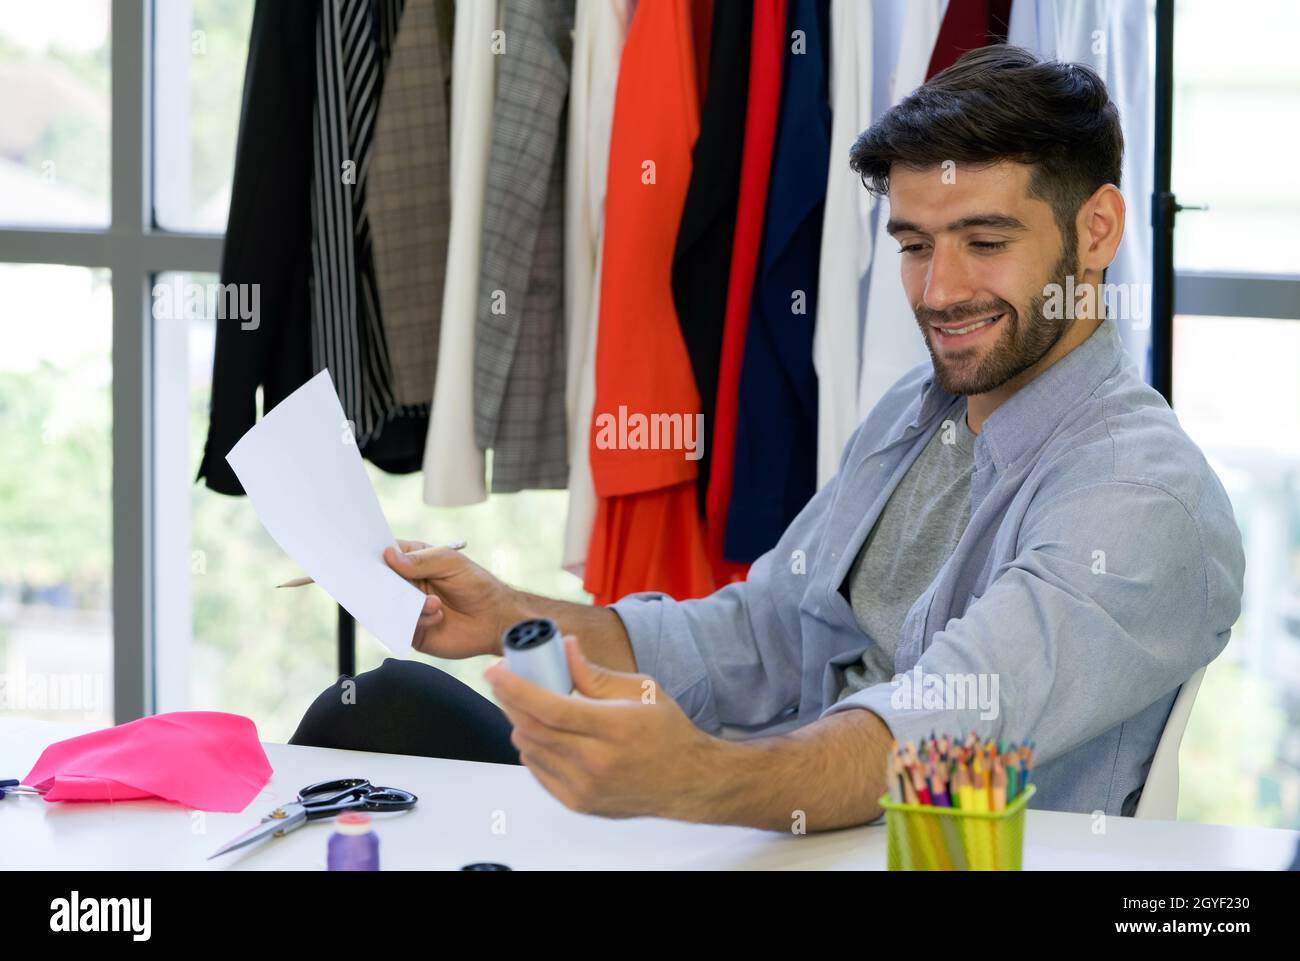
{"x": 303, "y": 473}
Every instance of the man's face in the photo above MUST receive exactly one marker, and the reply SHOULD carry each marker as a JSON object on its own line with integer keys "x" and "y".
{"x": 977, "y": 253}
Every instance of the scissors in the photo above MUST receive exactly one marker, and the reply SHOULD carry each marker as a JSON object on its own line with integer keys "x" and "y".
{"x": 323, "y": 800}
{"x": 14, "y": 786}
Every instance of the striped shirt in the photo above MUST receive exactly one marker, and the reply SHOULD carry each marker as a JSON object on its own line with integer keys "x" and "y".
{"x": 354, "y": 39}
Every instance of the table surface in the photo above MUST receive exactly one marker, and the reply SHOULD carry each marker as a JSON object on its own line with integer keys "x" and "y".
{"x": 469, "y": 811}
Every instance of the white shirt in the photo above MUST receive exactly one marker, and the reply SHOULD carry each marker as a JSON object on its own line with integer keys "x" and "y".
{"x": 846, "y": 237}
{"x": 1111, "y": 36}
{"x": 454, "y": 466}
{"x": 891, "y": 342}
{"x": 599, "y": 30}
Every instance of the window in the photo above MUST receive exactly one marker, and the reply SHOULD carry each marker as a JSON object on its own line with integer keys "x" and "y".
{"x": 56, "y": 646}
{"x": 124, "y": 567}
{"x": 1236, "y": 353}
{"x": 1241, "y": 752}
{"x": 199, "y": 52}
{"x": 54, "y": 99}
{"x": 1246, "y": 93}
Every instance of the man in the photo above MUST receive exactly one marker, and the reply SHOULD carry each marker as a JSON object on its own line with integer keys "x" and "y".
{"x": 1020, "y": 541}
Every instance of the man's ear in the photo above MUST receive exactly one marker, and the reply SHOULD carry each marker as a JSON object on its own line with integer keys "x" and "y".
{"x": 1100, "y": 228}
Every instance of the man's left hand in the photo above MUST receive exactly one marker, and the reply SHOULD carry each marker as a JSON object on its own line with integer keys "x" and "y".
{"x": 620, "y": 748}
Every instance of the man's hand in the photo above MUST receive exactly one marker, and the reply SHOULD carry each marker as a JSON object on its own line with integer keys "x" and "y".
{"x": 622, "y": 749}
{"x": 626, "y": 749}
{"x": 467, "y": 608}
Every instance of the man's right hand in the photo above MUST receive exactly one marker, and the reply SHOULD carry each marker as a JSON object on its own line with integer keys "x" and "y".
{"x": 466, "y": 609}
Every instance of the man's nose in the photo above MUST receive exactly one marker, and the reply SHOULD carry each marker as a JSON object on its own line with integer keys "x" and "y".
{"x": 948, "y": 280}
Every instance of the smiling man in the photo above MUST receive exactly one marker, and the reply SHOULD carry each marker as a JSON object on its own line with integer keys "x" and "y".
{"x": 1021, "y": 540}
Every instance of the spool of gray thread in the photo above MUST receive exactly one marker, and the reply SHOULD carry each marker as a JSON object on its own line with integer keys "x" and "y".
{"x": 535, "y": 651}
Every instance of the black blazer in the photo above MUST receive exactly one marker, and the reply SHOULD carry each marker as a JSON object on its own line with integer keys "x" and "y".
{"x": 268, "y": 242}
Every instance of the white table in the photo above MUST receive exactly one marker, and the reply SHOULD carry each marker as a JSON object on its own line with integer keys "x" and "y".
{"x": 493, "y": 812}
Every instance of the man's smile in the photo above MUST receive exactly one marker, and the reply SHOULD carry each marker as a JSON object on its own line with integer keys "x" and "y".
{"x": 960, "y": 335}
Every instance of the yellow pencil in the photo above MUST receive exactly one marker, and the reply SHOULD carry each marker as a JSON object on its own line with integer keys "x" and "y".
{"x": 965, "y": 791}
{"x": 999, "y": 787}
{"x": 981, "y": 790}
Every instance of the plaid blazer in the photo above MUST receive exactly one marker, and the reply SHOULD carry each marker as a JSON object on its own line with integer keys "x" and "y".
{"x": 410, "y": 186}
{"x": 519, "y": 344}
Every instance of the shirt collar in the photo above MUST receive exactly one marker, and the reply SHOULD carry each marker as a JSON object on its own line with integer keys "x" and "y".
{"x": 1022, "y": 423}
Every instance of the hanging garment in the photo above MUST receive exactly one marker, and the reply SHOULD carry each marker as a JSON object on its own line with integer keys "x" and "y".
{"x": 408, "y": 195}
{"x": 767, "y": 57}
{"x": 891, "y": 342}
{"x": 702, "y": 14}
{"x": 454, "y": 469}
{"x": 267, "y": 241}
{"x": 647, "y": 494}
{"x": 651, "y": 541}
{"x": 966, "y": 26}
{"x": 702, "y": 257}
{"x": 353, "y": 41}
{"x": 1033, "y": 26}
{"x": 519, "y": 349}
{"x": 600, "y": 27}
{"x": 1111, "y": 37}
{"x": 846, "y": 237}
{"x": 776, "y": 432}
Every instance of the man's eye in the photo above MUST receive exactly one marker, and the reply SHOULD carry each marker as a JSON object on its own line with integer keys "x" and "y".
{"x": 989, "y": 244}
{"x": 911, "y": 248}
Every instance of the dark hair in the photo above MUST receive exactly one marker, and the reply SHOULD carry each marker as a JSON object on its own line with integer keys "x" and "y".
{"x": 1002, "y": 103}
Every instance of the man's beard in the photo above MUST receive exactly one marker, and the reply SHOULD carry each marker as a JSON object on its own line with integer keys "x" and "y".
{"x": 1023, "y": 342}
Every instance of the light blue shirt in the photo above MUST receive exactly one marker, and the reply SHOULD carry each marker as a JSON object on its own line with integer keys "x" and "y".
{"x": 1100, "y": 569}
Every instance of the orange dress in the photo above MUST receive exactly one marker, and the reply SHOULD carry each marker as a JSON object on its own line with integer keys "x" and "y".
{"x": 648, "y": 534}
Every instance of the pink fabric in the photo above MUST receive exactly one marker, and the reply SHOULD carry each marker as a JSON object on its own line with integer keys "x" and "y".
{"x": 205, "y": 760}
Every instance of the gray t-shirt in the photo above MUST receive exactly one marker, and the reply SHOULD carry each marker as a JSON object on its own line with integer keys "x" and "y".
{"x": 915, "y": 533}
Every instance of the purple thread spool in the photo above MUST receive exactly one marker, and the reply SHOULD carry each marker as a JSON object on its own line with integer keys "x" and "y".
{"x": 354, "y": 846}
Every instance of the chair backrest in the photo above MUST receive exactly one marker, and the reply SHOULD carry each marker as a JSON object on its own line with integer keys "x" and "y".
{"x": 1159, "y": 800}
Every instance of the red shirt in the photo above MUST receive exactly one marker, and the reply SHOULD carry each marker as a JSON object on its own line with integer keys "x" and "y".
{"x": 767, "y": 55}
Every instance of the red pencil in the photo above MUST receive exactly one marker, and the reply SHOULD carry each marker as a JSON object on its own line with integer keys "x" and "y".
{"x": 922, "y": 792}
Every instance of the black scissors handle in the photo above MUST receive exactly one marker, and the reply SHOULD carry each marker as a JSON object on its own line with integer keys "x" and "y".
{"x": 328, "y": 798}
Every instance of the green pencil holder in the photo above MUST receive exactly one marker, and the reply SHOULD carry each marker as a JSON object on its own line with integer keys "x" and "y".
{"x": 925, "y": 838}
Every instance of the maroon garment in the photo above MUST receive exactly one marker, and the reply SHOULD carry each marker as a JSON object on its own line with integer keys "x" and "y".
{"x": 968, "y": 24}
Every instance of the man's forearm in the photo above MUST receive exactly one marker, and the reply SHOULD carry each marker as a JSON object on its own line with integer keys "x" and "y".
{"x": 829, "y": 774}
{"x": 599, "y": 630}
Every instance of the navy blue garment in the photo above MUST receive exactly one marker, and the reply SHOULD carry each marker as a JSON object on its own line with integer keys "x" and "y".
{"x": 776, "y": 431}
